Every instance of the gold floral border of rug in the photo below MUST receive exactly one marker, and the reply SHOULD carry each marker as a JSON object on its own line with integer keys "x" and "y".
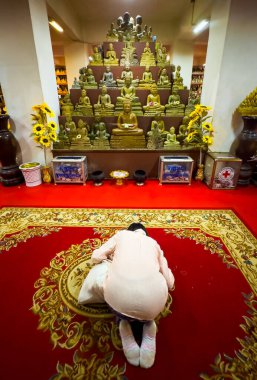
{"x": 223, "y": 224}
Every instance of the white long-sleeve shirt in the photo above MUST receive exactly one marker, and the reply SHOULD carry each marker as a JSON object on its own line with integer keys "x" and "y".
{"x": 138, "y": 278}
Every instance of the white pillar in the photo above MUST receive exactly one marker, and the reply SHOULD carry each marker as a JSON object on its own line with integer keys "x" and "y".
{"x": 183, "y": 52}
{"x": 76, "y": 56}
{"x": 231, "y": 67}
{"x": 27, "y": 72}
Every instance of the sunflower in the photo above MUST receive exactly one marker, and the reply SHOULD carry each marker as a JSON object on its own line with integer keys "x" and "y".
{"x": 53, "y": 136}
{"x": 46, "y": 109}
{"x": 207, "y": 140}
{"x": 192, "y": 122}
{"x": 52, "y": 126}
{"x": 190, "y": 136}
{"x": 195, "y": 114}
{"x": 38, "y": 129}
{"x": 208, "y": 127}
{"x": 37, "y": 107}
{"x": 37, "y": 138}
{"x": 45, "y": 141}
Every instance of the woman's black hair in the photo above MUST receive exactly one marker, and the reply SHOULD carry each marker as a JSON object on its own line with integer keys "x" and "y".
{"x": 137, "y": 226}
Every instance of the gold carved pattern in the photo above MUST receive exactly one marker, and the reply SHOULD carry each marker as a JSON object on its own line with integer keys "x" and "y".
{"x": 210, "y": 244}
{"x": 12, "y": 241}
{"x": 243, "y": 366}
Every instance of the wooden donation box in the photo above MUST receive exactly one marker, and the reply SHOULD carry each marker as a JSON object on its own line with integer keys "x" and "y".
{"x": 221, "y": 170}
{"x": 70, "y": 169}
{"x": 175, "y": 169}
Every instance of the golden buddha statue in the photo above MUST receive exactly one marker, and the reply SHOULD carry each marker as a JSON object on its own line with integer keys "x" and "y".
{"x": 147, "y": 78}
{"x": 107, "y": 78}
{"x": 153, "y": 103}
{"x": 127, "y": 73}
{"x": 128, "y": 55}
{"x": 174, "y": 106}
{"x": 147, "y": 57}
{"x": 111, "y": 58}
{"x": 164, "y": 80}
{"x": 171, "y": 141}
{"x": 81, "y": 140}
{"x": 84, "y": 107}
{"x": 127, "y": 134}
{"x": 128, "y": 92}
{"x": 67, "y": 107}
{"x": 97, "y": 58}
{"x": 178, "y": 81}
{"x": 104, "y": 104}
{"x": 112, "y": 34}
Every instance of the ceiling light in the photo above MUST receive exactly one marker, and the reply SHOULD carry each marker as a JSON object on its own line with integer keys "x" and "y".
{"x": 200, "y": 26}
{"x": 55, "y": 25}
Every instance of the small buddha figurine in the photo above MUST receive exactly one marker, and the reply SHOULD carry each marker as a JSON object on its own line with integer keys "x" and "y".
{"x": 127, "y": 122}
{"x": 104, "y": 104}
{"x": 112, "y": 34}
{"x": 153, "y": 103}
{"x": 128, "y": 92}
{"x": 162, "y": 56}
{"x": 111, "y": 58}
{"x": 178, "y": 81}
{"x": 81, "y": 140}
{"x": 127, "y": 73}
{"x": 182, "y": 133}
{"x": 101, "y": 133}
{"x": 164, "y": 80}
{"x": 147, "y": 78}
{"x": 63, "y": 141}
{"x": 171, "y": 141}
{"x": 84, "y": 106}
{"x": 155, "y": 139}
{"x": 70, "y": 127}
{"x": 82, "y": 128}
{"x": 75, "y": 84}
{"x": 90, "y": 79}
{"x": 97, "y": 58}
{"x": 159, "y": 122}
{"x": 147, "y": 57}
{"x": 174, "y": 106}
{"x": 108, "y": 79}
{"x": 66, "y": 105}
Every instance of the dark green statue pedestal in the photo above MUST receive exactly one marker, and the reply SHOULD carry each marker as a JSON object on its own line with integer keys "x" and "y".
{"x": 10, "y": 173}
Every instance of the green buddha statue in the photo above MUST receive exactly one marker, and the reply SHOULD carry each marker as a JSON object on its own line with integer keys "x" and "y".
{"x": 104, "y": 104}
{"x": 127, "y": 122}
{"x": 155, "y": 135}
{"x": 171, "y": 141}
{"x": 63, "y": 141}
{"x": 70, "y": 127}
{"x": 76, "y": 83}
{"x": 153, "y": 104}
{"x": 182, "y": 133}
{"x": 81, "y": 140}
{"x": 67, "y": 107}
{"x": 84, "y": 106}
{"x": 147, "y": 79}
{"x": 96, "y": 58}
{"x": 112, "y": 34}
{"x": 164, "y": 80}
{"x": 162, "y": 56}
{"x": 147, "y": 57}
{"x": 174, "y": 106}
{"x": 178, "y": 81}
{"x": 111, "y": 58}
{"x": 90, "y": 80}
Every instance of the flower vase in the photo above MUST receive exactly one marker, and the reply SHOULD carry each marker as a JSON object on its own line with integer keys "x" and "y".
{"x": 10, "y": 173}
{"x": 247, "y": 148}
{"x": 46, "y": 174}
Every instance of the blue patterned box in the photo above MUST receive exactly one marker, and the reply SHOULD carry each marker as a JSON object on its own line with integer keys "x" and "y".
{"x": 70, "y": 169}
{"x": 175, "y": 169}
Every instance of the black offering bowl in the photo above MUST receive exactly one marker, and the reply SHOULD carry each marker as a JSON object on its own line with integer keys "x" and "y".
{"x": 98, "y": 177}
{"x": 140, "y": 177}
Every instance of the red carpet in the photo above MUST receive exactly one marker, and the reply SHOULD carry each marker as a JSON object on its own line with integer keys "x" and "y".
{"x": 212, "y": 255}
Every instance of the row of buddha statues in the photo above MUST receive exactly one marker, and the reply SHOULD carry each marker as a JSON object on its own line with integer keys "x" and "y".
{"x": 129, "y": 56}
{"x": 164, "y": 81}
{"x": 129, "y": 29}
{"x": 105, "y": 107}
{"x": 126, "y": 134}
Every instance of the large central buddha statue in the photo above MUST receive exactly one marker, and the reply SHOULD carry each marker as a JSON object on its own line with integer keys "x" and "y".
{"x": 128, "y": 92}
{"x": 153, "y": 103}
{"x": 127, "y": 134}
{"x": 147, "y": 57}
{"x": 111, "y": 57}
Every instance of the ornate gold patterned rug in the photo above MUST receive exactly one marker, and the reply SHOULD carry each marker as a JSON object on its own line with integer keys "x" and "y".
{"x": 45, "y": 256}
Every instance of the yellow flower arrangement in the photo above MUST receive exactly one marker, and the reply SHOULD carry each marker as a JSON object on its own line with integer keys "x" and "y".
{"x": 200, "y": 131}
{"x": 44, "y": 132}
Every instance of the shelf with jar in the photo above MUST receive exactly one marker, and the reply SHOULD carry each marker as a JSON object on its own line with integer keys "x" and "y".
{"x": 197, "y": 79}
{"x": 61, "y": 80}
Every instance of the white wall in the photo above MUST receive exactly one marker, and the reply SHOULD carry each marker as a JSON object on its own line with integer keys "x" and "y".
{"x": 182, "y": 55}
